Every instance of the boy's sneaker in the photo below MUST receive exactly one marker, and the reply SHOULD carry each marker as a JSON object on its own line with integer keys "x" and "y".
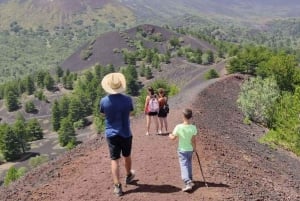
{"x": 191, "y": 183}
{"x": 159, "y": 132}
{"x": 147, "y": 133}
{"x": 118, "y": 190}
{"x": 187, "y": 187}
{"x": 130, "y": 177}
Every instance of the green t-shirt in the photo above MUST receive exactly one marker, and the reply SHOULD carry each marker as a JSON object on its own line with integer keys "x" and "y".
{"x": 185, "y": 132}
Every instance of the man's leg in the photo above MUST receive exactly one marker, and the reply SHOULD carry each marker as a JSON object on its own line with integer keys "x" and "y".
{"x": 127, "y": 164}
{"x": 126, "y": 151}
{"x": 115, "y": 171}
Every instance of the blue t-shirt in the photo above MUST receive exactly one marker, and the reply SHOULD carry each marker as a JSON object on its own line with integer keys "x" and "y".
{"x": 117, "y": 108}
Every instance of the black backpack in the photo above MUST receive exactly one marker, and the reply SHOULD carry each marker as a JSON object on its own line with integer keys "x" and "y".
{"x": 166, "y": 108}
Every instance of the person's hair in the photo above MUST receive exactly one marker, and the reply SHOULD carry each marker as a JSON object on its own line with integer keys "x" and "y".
{"x": 161, "y": 91}
{"x": 187, "y": 113}
{"x": 151, "y": 90}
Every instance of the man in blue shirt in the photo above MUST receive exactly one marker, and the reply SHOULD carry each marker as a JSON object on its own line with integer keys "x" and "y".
{"x": 117, "y": 108}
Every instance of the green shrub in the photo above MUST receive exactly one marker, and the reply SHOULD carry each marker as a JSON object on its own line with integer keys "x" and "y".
{"x": 116, "y": 50}
{"x": 13, "y": 174}
{"x": 85, "y": 54}
{"x": 40, "y": 95}
{"x": 30, "y": 107}
{"x": 22, "y": 171}
{"x": 71, "y": 144}
{"x": 257, "y": 98}
{"x": 173, "y": 90}
{"x": 140, "y": 102}
{"x": 2, "y": 159}
{"x": 211, "y": 74}
{"x": 247, "y": 121}
{"x": 38, "y": 160}
{"x": 99, "y": 123}
{"x": 79, "y": 124}
{"x": 285, "y": 130}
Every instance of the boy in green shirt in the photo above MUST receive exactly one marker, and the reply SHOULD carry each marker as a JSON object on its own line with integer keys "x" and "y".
{"x": 185, "y": 132}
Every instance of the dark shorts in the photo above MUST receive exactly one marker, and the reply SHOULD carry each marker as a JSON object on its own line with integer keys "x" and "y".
{"x": 162, "y": 113}
{"x": 152, "y": 113}
{"x": 118, "y": 145}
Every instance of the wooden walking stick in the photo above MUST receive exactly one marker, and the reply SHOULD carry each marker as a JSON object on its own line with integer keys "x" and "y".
{"x": 201, "y": 168}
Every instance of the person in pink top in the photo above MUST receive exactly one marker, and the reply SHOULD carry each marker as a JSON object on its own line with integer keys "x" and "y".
{"x": 151, "y": 114}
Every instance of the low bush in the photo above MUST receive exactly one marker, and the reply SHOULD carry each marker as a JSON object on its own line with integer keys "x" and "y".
{"x": 38, "y": 160}
{"x": 211, "y": 74}
{"x": 14, "y": 174}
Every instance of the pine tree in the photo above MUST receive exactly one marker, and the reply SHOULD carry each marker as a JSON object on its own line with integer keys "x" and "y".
{"x": 148, "y": 73}
{"x": 55, "y": 116}
{"x": 132, "y": 85}
{"x": 30, "y": 107}
{"x": 10, "y": 146}
{"x": 97, "y": 71}
{"x": 34, "y": 130}
{"x": 131, "y": 70}
{"x": 142, "y": 70}
{"x": 29, "y": 85}
{"x": 66, "y": 133}
{"x": 74, "y": 110}
{"x": 19, "y": 129}
{"x": 110, "y": 68}
{"x": 2, "y": 89}
{"x": 59, "y": 72}
{"x": 49, "y": 82}
{"x": 11, "y": 101}
{"x": 40, "y": 79}
{"x": 64, "y": 107}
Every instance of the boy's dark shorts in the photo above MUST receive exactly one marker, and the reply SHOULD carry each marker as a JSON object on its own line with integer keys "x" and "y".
{"x": 118, "y": 145}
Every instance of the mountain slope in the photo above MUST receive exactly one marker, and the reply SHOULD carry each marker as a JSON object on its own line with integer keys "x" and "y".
{"x": 52, "y": 13}
{"x": 232, "y": 9}
{"x": 120, "y": 13}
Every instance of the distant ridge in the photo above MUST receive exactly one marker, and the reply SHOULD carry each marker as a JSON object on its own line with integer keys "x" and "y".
{"x": 53, "y": 13}
{"x": 121, "y": 13}
{"x": 104, "y": 47}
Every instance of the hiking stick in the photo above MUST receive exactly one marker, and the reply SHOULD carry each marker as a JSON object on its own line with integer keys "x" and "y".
{"x": 201, "y": 168}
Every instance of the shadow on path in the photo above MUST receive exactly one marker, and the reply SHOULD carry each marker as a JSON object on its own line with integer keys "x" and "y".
{"x": 150, "y": 188}
{"x": 201, "y": 184}
{"x": 165, "y": 188}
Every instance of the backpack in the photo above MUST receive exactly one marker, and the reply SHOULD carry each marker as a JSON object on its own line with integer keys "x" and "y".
{"x": 166, "y": 108}
{"x": 153, "y": 105}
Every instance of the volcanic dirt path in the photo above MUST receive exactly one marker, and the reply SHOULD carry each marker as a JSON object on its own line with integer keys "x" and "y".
{"x": 236, "y": 167}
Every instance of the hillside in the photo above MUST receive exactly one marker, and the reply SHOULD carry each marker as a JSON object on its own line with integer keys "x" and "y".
{"x": 235, "y": 165}
{"x": 255, "y": 11}
{"x": 31, "y": 14}
{"x": 107, "y": 48}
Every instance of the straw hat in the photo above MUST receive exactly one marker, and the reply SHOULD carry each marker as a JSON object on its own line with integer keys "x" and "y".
{"x": 114, "y": 83}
